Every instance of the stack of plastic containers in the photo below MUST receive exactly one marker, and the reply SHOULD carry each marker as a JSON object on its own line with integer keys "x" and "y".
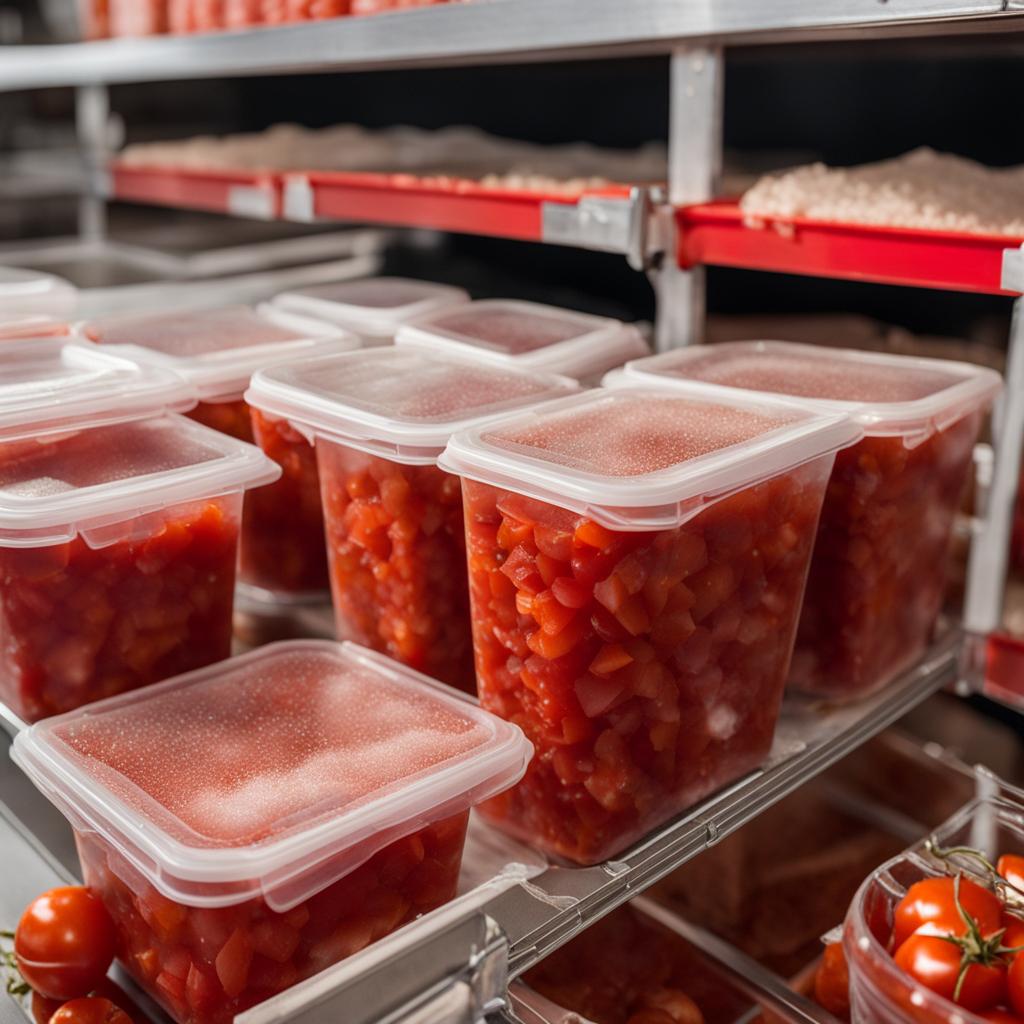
{"x": 395, "y": 537}
{"x": 282, "y": 553}
{"x": 637, "y": 562}
{"x": 252, "y": 823}
{"x": 33, "y": 293}
{"x": 529, "y": 336}
{"x": 374, "y": 308}
{"x": 878, "y": 576}
{"x": 118, "y": 526}
{"x": 31, "y": 325}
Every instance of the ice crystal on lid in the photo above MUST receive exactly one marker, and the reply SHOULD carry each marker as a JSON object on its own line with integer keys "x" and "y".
{"x": 808, "y": 373}
{"x": 101, "y": 456}
{"x": 513, "y": 330}
{"x": 191, "y": 333}
{"x": 630, "y": 435}
{"x": 255, "y": 752}
{"x": 375, "y": 293}
{"x": 411, "y": 386}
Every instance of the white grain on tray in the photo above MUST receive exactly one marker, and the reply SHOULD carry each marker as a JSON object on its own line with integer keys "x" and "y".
{"x": 921, "y": 189}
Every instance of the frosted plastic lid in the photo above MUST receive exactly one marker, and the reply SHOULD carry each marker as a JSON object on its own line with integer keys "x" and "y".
{"x": 32, "y": 326}
{"x": 31, "y": 292}
{"x": 217, "y": 350}
{"x": 529, "y": 335}
{"x": 399, "y": 403}
{"x": 274, "y": 773}
{"x": 645, "y": 458}
{"x": 52, "y": 385}
{"x": 374, "y": 306}
{"x": 105, "y": 475}
{"x": 889, "y": 394}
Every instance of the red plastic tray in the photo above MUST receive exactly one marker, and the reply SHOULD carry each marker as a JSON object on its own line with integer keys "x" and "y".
{"x": 716, "y": 234}
{"x": 241, "y": 193}
{"x": 448, "y": 204}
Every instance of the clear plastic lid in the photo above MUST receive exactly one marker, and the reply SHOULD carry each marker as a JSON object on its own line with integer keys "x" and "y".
{"x": 529, "y": 335}
{"x": 274, "y": 773}
{"x": 33, "y": 326}
{"x": 374, "y": 307}
{"x": 31, "y": 293}
{"x": 217, "y": 350}
{"x": 399, "y": 403}
{"x": 645, "y": 458}
{"x": 53, "y": 385}
{"x": 95, "y": 478}
{"x": 891, "y": 395}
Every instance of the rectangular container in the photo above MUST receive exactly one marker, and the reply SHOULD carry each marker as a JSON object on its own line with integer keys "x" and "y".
{"x": 636, "y": 563}
{"x": 373, "y": 308}
{"x": 529, "y": 336}
{"x": 282, "y": 557}
{"x": 878, "y": 576}
{"x": 51, "y": 387}
{"x": 251, "y": 823}
{"x": 880, "y": 992}
{"x": 117, "y": 559}
{"x": 395, "y": 537}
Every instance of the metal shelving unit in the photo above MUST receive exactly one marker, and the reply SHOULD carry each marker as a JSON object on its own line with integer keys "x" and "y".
{"x": 454, "y": 965}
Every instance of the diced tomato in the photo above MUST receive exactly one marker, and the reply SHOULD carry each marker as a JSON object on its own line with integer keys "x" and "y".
{"x": 594, "y": 535}
{"x": 609, "y": 658}
{"x": 570, "y": 592}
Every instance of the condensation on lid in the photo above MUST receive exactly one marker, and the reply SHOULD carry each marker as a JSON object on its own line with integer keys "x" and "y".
{"x": 397, "y": 396}
{"x": 643, "y": 456}
{"x": 542, "y": 337}
{"x": 52, "y": 385}
{"x": 109, "y": 473}
{"x": 892, "y": 392}
{"x": 270, "y": 760}
{"x": 217, "y": 350}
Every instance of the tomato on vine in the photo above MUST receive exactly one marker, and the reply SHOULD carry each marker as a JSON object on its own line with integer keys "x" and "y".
{"x": 931, "y": 905}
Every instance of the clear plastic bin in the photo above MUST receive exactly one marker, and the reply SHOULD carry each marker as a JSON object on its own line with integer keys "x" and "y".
{"x": 637, "y": 562}
{"x": 251, "y": 823}
{"x": 373, "y": 308}
{"x": 878, "y": 577}
{"x": 282, "y": 556}
{"x": 117, "y": 559}
{"x": 52, "y": 386}
{"x": 33, "y": 293}
{"x": 880, "y": 992}
{"x": 530, "y": 336}
{"x": 395, "y": 536}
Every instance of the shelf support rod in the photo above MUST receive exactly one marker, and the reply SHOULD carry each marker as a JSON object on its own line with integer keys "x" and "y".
{"x": 696, "y": 84}
{"x": 993, "y": 525}
{"x": 92, "y": 120}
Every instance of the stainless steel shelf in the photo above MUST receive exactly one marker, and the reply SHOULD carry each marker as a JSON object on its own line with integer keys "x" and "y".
{"x": 454, "y": 965}
{"x": 489, "y": 31}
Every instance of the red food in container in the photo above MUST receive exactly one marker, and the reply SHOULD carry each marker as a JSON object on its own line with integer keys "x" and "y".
{"x": 117, "y": 559}
{"x": 529, "y": 336}
{"x": 250, "y": 824}
{"x": 282, "y": 558}
{"x": 373, "y": 308}
{"x": 636, "y": 563}
{"x": 395, "y": 536}
{"x": 878, "y": 576}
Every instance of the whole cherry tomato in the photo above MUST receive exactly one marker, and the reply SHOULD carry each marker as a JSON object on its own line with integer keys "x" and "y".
{"x": 935, "y": 963}
{"x": 90, "y": 1010}
{"x": 1015, "y": 984}
{"x": 1013, "y": 936}
{"x": 932, "y": 903}
{"x": 832, "y": 982}
{"x": 676, "y": 1005}
{"x": 64, "y": 942}
{"x": 1011, "y": 867}
{"x": 43, "y": 1009}
{"x": 998, "y": 1015}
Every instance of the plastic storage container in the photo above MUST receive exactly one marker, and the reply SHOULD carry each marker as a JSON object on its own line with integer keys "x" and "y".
{"x": 373, "y": 308}
{"x": 252, "y": 823}
{"x": 880, "y": 992}
{"x": 32, "y": 326}
{"x": 637, "y": 562}
{"x": 282, "y": 555}
{"x": 117, "y": 559}
{"x": 395, "y": 534}
{"x": 33, "y": 293}
{"x": 530, "y": 336}
{"x": 878, "y": 576}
